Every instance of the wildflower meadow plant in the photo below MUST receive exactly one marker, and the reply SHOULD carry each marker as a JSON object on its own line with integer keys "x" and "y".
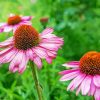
{"x": 14, "y": 21}
{"x": 85, "y": 74}
{"x": 27, "y": 44}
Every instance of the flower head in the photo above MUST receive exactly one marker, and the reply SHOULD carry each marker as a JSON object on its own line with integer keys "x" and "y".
{"x": 85, "y": 74}
{"x": 26, "y": 37}
{"x": 27, "y": 44}
{"x": 13, "y": 22}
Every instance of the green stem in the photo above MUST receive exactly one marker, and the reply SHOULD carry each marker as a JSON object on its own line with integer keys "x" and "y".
{"x": 93, "y": 98}
{"x": 37, "y": 85}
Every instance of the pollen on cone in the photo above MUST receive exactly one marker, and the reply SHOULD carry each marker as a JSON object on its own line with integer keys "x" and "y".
{"x": 90, "y": 63}
{"x": 25, "y": 37}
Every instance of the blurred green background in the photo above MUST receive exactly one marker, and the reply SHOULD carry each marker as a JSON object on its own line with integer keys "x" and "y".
{"x": 77, "y": 21}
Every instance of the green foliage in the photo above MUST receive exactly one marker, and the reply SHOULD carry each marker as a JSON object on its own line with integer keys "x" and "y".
{"x": 77, "y": 21}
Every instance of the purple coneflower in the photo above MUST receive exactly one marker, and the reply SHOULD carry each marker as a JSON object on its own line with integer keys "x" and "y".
{"x": 13, "y": 22}
{"x": 85, "y": 74}
{"x": 27, "y": 44}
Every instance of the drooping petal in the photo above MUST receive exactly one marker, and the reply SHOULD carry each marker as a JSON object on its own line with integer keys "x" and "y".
{"x": 92, "y": 88}
{"x": 97, "y": 94}
{"x": 30, "y": 54}
{"x": 78, "y": 90}
{"x": 7, "y": 28}
{"x": 25, "y": 22}
{"x": 67, "y": 71}
{"x": 36, "y": 59}
{"x": 96, "y": 80}
{"x": 76, "y": 81}
{"x": 47, "y": 31}
{"x": 40, "y": 52}
{"x": 72, "y": 64}
{"x": 15, "y": 68}
{"x": 85, "y": 86}
{"x": 3, "y": 52}
{"x": 1, "y": 30}
{"x": 2, "y": 24}
{"x": 21, "y": 23}
{"x": 16, "y": 61}
{"x": 49, "y": 46}
{"x": 26, "y": 18}
{"x": 38, "y": 62}
{"x": 15, "y": 27}
{"x": 23, "y": 64}
{"x": 51, "y": 53}
{"x": 53, "y": 40}
{"x": 8, "y": 56}
{"x": 49, "y": 60}
{"x": 69, "y": 76}
{"x": 47, "y": 36}
{"x": 7, "y": 42}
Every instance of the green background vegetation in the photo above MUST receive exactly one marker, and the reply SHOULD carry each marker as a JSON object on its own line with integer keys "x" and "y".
{"x": 77, "y": 21}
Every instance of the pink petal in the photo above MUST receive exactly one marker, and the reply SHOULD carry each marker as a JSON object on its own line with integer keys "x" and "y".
{"x": 78, "y": 89}
{"x": 53, "y": 40}
{"x": 72, "y": 64}
{"x": 51, "y": 53}
{"x": 8, "y": 57}
{"x": 15, "y": 27}
{"x": 92, "y": 88}
{"x": 23, "y": 64}
{"x": 16, "y": 61}
{"x": 85, "y": 86}
{"x": 38, "y": 62}
{"x": 96, "y": 80}
{"x": 70, "y": 86}
{"x": 67, "y": 71}
{"x": 7, "y": 42}
{"x": 25, "y": 22}
{"x": 5, "y": 51}
{"x": 40, "y": 52}
{"x": 49, "y": 60}
{"x": 1, "y": 30}
{"x": 8, "y": 28}
{"x": 97, "y": 94}
{"x": 29, "y": 54}
{"x": 69, "y": 76}
{"x": 54, "y": 47}
{"x": 15, "y": 69}
{"x": 2, "y": 24}
{"x": 27, "y": 18}
{"x": 47, "y": 31}
{"x": 77, "y": 81}
{"x": 21, "y": 23}
{"x": 47, "y": 36}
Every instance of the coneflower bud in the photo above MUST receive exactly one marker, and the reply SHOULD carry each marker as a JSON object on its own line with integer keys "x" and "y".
{"x": 44, "y": 21}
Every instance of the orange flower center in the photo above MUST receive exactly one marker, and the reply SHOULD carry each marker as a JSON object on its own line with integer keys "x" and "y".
{"x": 90, "y": 63}
{"x": 14, "y": 20}
{"x": 25, "y": 37}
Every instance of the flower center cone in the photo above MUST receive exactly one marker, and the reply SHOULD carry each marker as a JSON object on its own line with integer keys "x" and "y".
{"x": 90, "y": 63}
{"x": 13, "y": 20}
{"x": 25, "y": 37}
